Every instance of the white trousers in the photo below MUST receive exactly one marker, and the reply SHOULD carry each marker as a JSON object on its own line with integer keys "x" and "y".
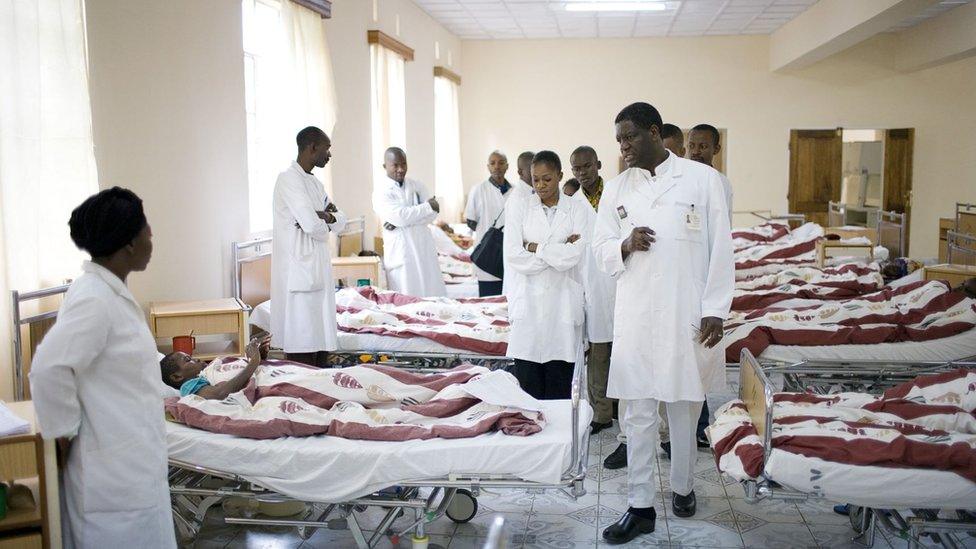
{"x": 640, "y": 425}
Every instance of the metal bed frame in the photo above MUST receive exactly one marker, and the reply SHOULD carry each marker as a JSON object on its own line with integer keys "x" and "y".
{"x": 17, "y": 298}
{"x": 963, "y": 208}
{"x": 960, "y": 244}
{"x": 260, "y": 248}
{"x": 768, "y": 215}
{"x": 195, "y": 489}
{"x": 756, "y": 389}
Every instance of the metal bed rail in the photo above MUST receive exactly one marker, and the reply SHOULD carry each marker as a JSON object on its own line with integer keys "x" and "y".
{"x": 963, "y": 208}
{"x": 246, "y": 252}
{"x": 17, "y": 298}
{"x": 960, "y": 248}
{"x": 757, "y": 390}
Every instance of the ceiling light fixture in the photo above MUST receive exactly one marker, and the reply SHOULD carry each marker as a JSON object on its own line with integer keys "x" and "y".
{"x": 629, "y": 5}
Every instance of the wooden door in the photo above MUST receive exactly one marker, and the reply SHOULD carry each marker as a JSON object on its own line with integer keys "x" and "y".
{"x": 815, "y": 172}
{"x": 899, "y": 145}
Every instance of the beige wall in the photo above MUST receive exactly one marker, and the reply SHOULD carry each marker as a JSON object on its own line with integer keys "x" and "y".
{"x": 567, "y": 92}
{"x": 167, "y": 87}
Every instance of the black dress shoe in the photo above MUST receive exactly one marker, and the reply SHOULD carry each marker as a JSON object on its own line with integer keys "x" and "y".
{"x": 618, "y": 459}
{"x": 666, "y": 446}
{"x": 683, "y": 506}
{"x": 702, "y": 440}
{"x": 597, "y": 427}
{"x": 629, "y": 527}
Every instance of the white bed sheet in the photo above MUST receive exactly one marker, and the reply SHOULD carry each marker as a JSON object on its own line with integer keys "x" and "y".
{"x": 949, "y": 348}
{"x": 261, "y": 316}
{"x": 331, "y": 469}
{"x": 872, "y": 486}
{"x": 466, "y": 289}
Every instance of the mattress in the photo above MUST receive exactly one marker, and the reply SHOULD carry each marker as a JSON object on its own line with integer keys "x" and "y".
{"x": 331, "y": 469}
{"x": 954, "y": 347}
{"x": 466, "y": 289}
{"x": 261, "y": 318}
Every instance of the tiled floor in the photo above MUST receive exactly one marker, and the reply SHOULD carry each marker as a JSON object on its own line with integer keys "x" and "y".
{"x": 551, "y": 519}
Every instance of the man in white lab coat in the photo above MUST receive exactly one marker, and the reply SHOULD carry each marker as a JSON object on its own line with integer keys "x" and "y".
{"x": 303, "y": 310}
{"x": 673, "y": 139}
{"x": 406, "y": 207}
{"x": 663, "y": 232}
{"x": 703, "y": 145}
{"x": 486, "y": 203}
{"x": 599, "y": 290}
{"x": 524, "y": 169}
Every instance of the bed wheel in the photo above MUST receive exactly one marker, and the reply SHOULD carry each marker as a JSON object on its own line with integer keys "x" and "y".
{"x": 463, "y": 507}
{"x": 856, "y": 516}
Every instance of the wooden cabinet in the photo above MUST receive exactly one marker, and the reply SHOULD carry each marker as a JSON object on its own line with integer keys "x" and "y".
{"x": 953, "y": 274}
{"x": 205, "y": 319}
{"x": 24, "y": 457}
{"x": 353, "y": 269}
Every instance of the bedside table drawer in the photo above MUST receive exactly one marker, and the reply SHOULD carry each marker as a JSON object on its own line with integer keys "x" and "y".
{"x": 212, "y": 324}
{"x": 18, "y": 460}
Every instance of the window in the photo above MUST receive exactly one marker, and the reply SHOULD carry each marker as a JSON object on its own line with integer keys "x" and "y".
{"x": 388, "y": 104}
{"x": 288, "y": 85}
{"x": 447, "y": 147}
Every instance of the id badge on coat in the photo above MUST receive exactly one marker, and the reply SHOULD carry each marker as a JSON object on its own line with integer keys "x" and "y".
{"x": 693, "y": 220}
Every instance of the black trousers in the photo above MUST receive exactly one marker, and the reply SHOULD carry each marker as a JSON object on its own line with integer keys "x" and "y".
{"x": 702, "y": 420}
{"x": 549, "y": 381}
{"x": 487, "y": 288}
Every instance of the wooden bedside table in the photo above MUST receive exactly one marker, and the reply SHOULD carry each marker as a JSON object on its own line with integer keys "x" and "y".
{"x": 29, "y": 456}
{"x": 953, "y": 274}
{"x": 211, "y": 317}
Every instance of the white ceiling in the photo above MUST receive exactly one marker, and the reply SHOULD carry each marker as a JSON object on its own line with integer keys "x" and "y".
{"x": 511, "y": 19}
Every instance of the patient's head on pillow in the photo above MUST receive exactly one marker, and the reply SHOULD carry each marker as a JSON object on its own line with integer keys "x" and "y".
{"x": 177, "y": 368}
{"x": 113, "y": 225}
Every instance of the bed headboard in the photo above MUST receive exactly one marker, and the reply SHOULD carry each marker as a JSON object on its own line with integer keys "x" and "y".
{"x": 756, "y": 391}
{"x": 965, "y": 218}
{"x": 252, "y": 271}
{"x": 793, "y": 220}
{"x": 892, "y": 232}
{"x": 960, "y": 248}
{"x": 351, "y": 238}
{"x": 30, "y": 330}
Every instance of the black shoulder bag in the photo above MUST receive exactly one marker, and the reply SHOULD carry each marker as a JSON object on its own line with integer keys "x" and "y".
{"x": 488, "y": 254}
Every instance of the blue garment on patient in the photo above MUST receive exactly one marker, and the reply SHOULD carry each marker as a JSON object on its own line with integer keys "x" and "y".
{"x": 193, "y": 386}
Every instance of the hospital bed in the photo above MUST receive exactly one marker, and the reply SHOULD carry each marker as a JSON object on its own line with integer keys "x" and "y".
{"x": 898, "y": 489}
{"x": 339, "y": 479}
{"x": 961, "y": 248}
{"x": 766, "y": 216}
{"x": 252, "y": 285}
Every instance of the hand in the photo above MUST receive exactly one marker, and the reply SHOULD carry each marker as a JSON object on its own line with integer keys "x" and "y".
{"x": 256, "y": 348}
{"x": 389, "y": 226}
{"x": 265, "y": 347}
{"x": 326, "y": 216}
{"x": 640, "y": 240}
{"x": 433, "y": 204}
{"x": 531, "y": 247}
{"x": 711, "y": 331}
{"x": 331, "y": 208}
{"x": 572, "y": 238}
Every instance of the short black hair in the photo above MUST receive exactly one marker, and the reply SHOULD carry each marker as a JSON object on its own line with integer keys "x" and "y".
{"x": 548, "y": 157}
{"x": 572, "y": 182}
{"x": 107, "y": 221}
{"x": 583, "y": 149}
{"x": 396, "y": 151}
{"x": 710, "y": 129}
{"x": 643, "y": 115}
{"x": 670, "y": 130}
{"x": 527, "y": 155}
{"x": 168, "y": 367}
{"x": 309, "y": 136}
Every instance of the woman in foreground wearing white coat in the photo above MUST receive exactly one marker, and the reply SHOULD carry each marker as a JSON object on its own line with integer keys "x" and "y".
{"x": 96, "y": 388}
{"x": 663, "y": 232}
{"x": 544, "y": 243}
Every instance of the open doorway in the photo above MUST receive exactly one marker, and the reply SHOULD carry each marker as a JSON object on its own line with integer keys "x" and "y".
{"x": 864, "y": 170}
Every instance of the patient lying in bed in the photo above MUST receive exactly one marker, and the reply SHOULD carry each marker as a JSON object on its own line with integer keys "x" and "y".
{"x": 183, "y": 373}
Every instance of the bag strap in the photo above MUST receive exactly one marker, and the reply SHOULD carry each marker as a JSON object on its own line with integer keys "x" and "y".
{"x": 497, "y": 218}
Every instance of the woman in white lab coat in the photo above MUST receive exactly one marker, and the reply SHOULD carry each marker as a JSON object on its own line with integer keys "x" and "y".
{"x": 303, "y": 311}
{"x": 96, "y": 388}
{"x": 544, "y": 243}
{"x": 406, "y": 208}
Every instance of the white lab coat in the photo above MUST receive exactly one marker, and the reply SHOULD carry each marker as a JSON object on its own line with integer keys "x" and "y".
{"x": 663, "y": 293}
{"x": 546, "y": 308}
{"x": 409, "y": 253}
{"x": 303, "y": 317}
{"x": 727, "y": 187}
{"x": 599, "y": 288}
{"x": 521, "y": 191}
{"x": 96, "y": 378}
{"x": 485, "y": 204}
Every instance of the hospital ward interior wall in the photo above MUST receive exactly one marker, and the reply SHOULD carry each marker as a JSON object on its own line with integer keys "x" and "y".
{"x": 167, "y": 89}
{"x": 346, "y": 33}
{"x": 570, "y": 90}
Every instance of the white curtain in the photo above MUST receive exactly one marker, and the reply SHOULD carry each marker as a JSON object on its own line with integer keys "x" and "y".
{"x": 388, "y": 104}
{"x": 47, "y": 162}
{"x": 288, "y": 85}
{"x": 447, "y": 150}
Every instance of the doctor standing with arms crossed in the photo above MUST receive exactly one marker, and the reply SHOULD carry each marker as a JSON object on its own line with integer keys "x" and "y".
{"x": 95, "y": 385}
{"x": 662, "y": 231}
